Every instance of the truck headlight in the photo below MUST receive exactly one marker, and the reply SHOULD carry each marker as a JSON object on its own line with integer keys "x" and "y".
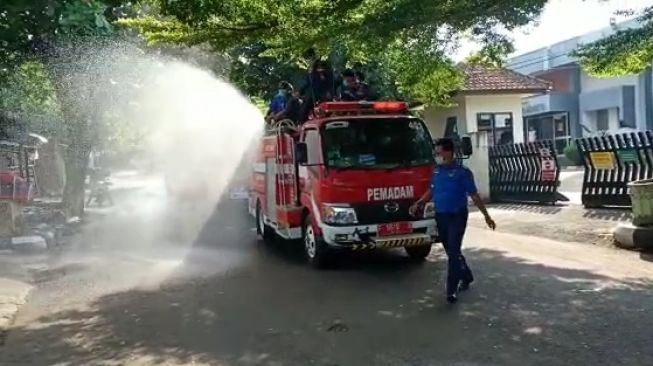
{"x": 338, "y": 215}
{"x": 429, "y": 211}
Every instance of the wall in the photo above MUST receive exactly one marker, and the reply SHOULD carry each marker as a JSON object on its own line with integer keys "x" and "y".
{"x": 589, "y": 120}
{"x": 613, "y": 120}
{"x": 588, "y": 83}
{"x": 561, "y": 79}
{"x": 559, "y": 54}
{"x": 479, "y": 164}
{"x": 436, "y": 118}
{"x": 476, "y": 104}
{"x": 596, "y": 85}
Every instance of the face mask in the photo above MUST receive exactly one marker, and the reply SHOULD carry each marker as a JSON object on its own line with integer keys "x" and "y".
{"x": 439, "y": 160}
{"x": 345, "y": 83}
{"x": 282, "y": 92}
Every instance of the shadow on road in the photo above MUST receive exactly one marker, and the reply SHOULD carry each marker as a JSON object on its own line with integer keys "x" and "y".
{"x": 267, "y": 308}
{"x": 613, "y": 214}
{"x": 526, "y": 207}
{"x": 234, "y": 301}
{"x": 646, "y": 256}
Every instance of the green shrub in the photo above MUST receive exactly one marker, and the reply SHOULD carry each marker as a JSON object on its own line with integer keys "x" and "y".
{"x": 571, "y": 152}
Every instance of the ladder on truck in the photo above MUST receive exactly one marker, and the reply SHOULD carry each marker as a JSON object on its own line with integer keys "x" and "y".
{"x": 286, "y": 178}
{"x": 282, "y": 129}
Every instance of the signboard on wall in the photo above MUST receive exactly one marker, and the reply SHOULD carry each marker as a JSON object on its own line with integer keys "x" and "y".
{"x": 548, "y": 165}
{"x": 627, "y": 156}
{"x": 603, "y": 160}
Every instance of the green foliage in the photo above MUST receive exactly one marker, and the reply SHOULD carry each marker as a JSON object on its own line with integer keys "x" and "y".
{"x": 84, "y": 18}
{"x": 257, "y": 75}
{"x": 571, "y": 152}
{"x": 298, "y": 24}
{"x": 28, "y": 90}
{"x": 406, "y": 40}
{"x": 492, "y": 55}
{"x": 260, "y": 103}
{"x": 20, "y": 22}
{"x": 421, "y": 75}
{"x": 628, "y": 51}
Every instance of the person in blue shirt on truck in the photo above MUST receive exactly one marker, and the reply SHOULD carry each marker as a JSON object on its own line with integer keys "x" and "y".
{"x": 451, "y": 184}
{"x": 278, "y": 102}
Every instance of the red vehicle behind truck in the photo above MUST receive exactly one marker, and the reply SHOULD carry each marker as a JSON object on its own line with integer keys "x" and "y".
{"x": 345, "y": 180}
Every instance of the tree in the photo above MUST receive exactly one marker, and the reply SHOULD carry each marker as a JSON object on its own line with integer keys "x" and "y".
{"x": 42, "y": 66}
{"x": 627, "y": 51}
{"x": 28, "y": 91}
{"x": 492, "y": 55}
{"x": 257, "y": 75}
{"x": 407, "y": 39}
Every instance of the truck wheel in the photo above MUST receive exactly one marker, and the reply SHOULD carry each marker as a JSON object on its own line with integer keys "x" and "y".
{"x": 419, "y": 252}
{"x": 265, "y": 231}
{"x": 316, "y": 250}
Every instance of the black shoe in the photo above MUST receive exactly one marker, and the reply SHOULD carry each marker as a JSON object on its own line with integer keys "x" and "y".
{"x": 452, "y": 299}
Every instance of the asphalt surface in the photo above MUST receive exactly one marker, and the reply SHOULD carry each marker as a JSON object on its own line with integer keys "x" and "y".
{"x": 151, "y": 282}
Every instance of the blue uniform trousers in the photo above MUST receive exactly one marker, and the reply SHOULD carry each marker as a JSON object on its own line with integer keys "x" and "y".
{"x": 451, "y": 229}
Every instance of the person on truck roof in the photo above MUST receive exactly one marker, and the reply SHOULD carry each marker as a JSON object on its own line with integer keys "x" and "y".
{"x": 318, "y": 87}
{"x": 278, "y": 102}
{"x": 451, "y": 184}
{"x": 291, "y": 110}
{"x": 352, "y": 89}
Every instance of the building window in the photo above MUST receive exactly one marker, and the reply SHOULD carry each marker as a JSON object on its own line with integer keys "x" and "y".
{"x": 602, "y": 120}
{"x": 485, "y": 122}
{"x": 561, "y": 132}
{"x": 499, "y": 125}
{"x": 549, "y": 127}
{"x": 451, "y": 129}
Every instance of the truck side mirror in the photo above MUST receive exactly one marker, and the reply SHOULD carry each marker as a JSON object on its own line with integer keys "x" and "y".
{"x": 301, "y": 153}
{"x": 466, "y": 146}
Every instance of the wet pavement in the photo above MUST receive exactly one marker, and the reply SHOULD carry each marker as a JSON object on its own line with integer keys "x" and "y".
{"x": 153, "y": 282}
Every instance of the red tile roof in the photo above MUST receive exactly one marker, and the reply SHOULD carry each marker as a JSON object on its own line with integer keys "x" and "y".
{"x": 497, "y": 80}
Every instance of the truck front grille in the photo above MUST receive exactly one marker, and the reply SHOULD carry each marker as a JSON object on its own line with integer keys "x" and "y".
{"x": 375, "y": 213}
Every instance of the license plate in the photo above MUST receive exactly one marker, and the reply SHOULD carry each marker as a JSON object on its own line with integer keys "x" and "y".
{"x": 395, "y": 228}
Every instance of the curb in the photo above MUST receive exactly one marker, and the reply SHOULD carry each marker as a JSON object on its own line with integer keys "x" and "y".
{"x": 629, "y": 236}
{"x": 14, "y": 294}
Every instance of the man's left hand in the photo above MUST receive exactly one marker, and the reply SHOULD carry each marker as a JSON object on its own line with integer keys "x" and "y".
{"x": 490, "y": 223}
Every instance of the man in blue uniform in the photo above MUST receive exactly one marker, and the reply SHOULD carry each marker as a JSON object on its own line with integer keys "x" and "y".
{"x": 451, "y": 184}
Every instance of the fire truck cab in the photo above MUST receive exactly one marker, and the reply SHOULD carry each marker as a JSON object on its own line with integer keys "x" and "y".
{"x": 345, "y": 180}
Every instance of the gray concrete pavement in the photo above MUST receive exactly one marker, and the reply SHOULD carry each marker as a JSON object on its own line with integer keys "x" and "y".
{"x": 144, "y": 286}
{"x": 571, "y": 185}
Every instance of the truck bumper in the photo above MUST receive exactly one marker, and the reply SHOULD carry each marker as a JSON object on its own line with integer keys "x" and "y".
{"x": 365, "y": 236}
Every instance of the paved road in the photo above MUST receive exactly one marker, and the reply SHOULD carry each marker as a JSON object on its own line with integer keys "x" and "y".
{"x": 571, "y": 185}
{"x": 142, "y": 286}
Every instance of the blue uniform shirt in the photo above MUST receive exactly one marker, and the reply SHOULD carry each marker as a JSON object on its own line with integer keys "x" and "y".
{"x": 450, "y": 186}
{"x": 278, "y": 103}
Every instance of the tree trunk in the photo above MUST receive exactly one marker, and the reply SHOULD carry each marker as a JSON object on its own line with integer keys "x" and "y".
{"x": 50, "y": 169}
{"x": 74, "y": 190}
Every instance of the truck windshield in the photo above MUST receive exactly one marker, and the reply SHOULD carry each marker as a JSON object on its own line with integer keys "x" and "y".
{"x": 377, "y": 143}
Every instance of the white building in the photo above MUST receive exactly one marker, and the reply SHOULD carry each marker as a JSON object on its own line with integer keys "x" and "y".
{"x": 581, "y": 105}
{"x": 489, "y": 110}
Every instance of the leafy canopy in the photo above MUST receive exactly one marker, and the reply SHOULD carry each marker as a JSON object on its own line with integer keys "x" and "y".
{"x": 628, "y": 51}
{"x": 409, "y": 39}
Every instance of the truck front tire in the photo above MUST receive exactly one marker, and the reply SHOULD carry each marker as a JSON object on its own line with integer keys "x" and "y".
{"x": 420, "y": 252}
{"x": 315, "y": 249}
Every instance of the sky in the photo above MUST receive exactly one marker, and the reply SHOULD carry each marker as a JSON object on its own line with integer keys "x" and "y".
{"x": 561, "y": 20}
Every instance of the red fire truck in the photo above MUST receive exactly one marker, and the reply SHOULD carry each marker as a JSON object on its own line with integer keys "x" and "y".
{"x": 345, "y": 180}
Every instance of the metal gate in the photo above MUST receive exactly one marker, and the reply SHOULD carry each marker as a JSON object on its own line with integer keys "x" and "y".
{"x": 611, "y": 162}
{"x": 527, "y": 172}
